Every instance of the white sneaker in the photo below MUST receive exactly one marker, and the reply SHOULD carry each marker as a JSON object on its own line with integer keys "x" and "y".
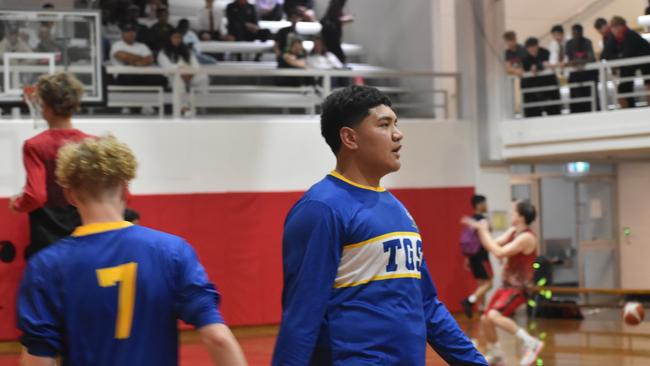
{"x": 531, "y": 351}
{"x": 495, "y": 356}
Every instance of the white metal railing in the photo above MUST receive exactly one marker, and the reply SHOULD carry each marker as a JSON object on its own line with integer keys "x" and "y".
{"x": 603, "y": 91}
{"x": 326, "y": 77}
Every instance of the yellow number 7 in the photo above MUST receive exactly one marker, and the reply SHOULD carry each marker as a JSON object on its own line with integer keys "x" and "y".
{"x": 125, "y": 273}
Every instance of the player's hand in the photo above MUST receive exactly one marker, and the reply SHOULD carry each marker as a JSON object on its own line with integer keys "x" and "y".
{"x": 469, "y": 222}
{"x": 12, "y": 200}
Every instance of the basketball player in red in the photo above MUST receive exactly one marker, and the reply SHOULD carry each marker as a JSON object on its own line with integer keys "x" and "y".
{"x": 520, "y": 247}
{"x": 51, "y": 217}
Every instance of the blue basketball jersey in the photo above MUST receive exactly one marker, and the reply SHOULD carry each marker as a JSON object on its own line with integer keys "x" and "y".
{"x": 111, "y": 294}
{"x": 357, "y": 290}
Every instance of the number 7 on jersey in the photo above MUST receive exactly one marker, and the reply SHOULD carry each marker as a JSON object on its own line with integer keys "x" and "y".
{"x": 126, "y": 274}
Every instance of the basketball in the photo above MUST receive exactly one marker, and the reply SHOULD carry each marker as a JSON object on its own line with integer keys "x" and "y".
{"x": 633, "y": 313}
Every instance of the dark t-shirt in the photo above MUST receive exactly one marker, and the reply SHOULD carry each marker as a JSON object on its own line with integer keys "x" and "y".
{"x": 282, "y": 38}
{"x": 516, "y": 57}
{"x": 530, "y": 60}
{"x": 633, "y": 45}
{"x": 482, "y": 253}
{"x": 580, "y": 50}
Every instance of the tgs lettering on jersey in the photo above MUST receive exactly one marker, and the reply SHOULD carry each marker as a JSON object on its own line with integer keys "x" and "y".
{"x": 385, "y": 257}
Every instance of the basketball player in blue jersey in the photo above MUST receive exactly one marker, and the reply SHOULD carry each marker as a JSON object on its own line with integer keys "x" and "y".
{"x": 357, "y": 290}
{"x": 111, "y": 293}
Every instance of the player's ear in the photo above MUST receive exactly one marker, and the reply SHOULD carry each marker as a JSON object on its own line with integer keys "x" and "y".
{"x": 70, "y": 197}
{"x": 349, "y": 138}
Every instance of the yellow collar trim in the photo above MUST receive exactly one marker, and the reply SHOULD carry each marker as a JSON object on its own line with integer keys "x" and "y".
{"x": 338, "y": 175}
{"x": 100, "y": 227}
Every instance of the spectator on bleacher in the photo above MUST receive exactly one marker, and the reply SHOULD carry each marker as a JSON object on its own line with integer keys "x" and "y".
{"x": 178, "y": 54}
{"x": 284, "y": 34}
{"x": 303, "y": 7}
{"x": 627, "y": 43}
{"x": 160, "y": 31}
{"x": 602, "y": 27}
{"x": 12, "y": 42}
{"x": 46, "y": 43}
{"x": 269, "y": 9}
{"x": 579, "y": 52}
{"x": 536, "y": 62}
{"x": 294, "y": 57}
{"x": 321, "y": 58}
{"x": 332, "y": 28}
{"x": 128, "y": 52}
{"x": 141, "y": 31}
{"x": 242, "y": 22}
{"x": 647, "y": 9}
{"x": 514, "y": 54}
{"x": 192, "y": 41}
{"x": 557, "y": 47}
{"x": 210, "y": 20}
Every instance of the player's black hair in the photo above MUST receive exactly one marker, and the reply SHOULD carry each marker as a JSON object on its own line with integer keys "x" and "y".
{"x": 532, "y": 41}
{"x": 347, "y": 108}
{"x": 477, "y": 199}
{"x": 599, "y": 23}
{"x": 131, "y": 215}
{"x": 526, "y": 210}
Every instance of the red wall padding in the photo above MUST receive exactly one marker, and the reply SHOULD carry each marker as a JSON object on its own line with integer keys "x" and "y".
{"x": 238, "y": 239}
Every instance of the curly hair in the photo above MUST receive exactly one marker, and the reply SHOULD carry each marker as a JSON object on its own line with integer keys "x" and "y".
{"x": 95, "y": 165}
{"x": 61, "y": 91}
{"x": 347, "y": 108}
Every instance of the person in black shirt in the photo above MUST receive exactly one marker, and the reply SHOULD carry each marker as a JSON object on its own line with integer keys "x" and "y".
{"x": 242, "y": 22}
{"x": 478, "y": 263}
{"x": 579, "y": 51}
{"x": 627, "y": 43}
{"x": 647, "y": 9}
{"x": 305, "y": 8}
{"x": 514, "y": 54}
{"x": 535, "y": 62}
{"x": 602, "y": 27}
{"x": 141, "y": 30}
{"x": 332, "y": 28}
{"x": 283, "y": 35}
{"x": 160, "y": 32}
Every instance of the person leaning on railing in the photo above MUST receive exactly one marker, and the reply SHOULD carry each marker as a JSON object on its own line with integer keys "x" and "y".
{"x": 579, "y": 52}
{"x": 627, "y": 43}
{"x": 535, "y": 62}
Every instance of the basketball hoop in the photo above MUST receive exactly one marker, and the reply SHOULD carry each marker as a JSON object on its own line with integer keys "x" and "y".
{"x": 30, "y": 96}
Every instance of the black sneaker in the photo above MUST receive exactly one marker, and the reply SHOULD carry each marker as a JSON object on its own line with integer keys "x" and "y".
{"x": 467, "y": 307}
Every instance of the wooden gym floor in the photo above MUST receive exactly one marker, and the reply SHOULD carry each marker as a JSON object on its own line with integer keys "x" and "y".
{"x": 600, "y": 340}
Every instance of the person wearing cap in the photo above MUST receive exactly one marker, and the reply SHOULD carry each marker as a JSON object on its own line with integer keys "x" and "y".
{"x": 132, "y": 16}
{"x": 129, "y": 52}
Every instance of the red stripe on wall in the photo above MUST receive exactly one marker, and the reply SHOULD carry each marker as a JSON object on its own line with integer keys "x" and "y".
{"x": 238, "y": 239}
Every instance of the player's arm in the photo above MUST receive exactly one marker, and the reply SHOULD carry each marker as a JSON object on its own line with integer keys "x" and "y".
{"x": 222, "y": 345}
{"x": 30, "y": 360}
{"x": 443, "y": 333}
{"x": 520, "y": 244}
{"x": 311, "y": 253}
{"x": 505, "y": 237}
{"x": 34, "y": 194}
{"x": 198, "y": 304}
{"x": 39, "y": 313}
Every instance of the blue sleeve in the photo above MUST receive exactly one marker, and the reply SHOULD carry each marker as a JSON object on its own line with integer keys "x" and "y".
{"x": 39, "y": 310}
{"x": 197, "y": 300}
{"x": 443, "y": 333}
{"x": 311, "y": 253}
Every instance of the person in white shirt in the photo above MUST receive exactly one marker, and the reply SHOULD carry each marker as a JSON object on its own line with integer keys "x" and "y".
{"x": 193, "y": 42}
{"x": 128, "y": 52}
{"x": 13, "y": 43}
{"x": 321, "y": 58}
{"x": 210, "y": 20}
{"x": 177, "y": 54}
{"x": 269, "y": 9}
{"x": 557, "y": 47}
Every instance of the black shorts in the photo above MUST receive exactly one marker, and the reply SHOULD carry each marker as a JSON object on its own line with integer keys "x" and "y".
{"x": 480, "y": 265}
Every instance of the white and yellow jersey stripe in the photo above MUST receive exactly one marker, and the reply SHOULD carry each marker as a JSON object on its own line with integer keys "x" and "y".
{"x": 389, "y": 256}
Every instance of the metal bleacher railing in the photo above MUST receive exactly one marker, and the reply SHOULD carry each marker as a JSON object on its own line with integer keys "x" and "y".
{"x": 603, "y": 88}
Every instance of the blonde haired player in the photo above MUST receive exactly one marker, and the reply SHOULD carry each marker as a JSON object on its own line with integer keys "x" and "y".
{"x": 111, "y": 293}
